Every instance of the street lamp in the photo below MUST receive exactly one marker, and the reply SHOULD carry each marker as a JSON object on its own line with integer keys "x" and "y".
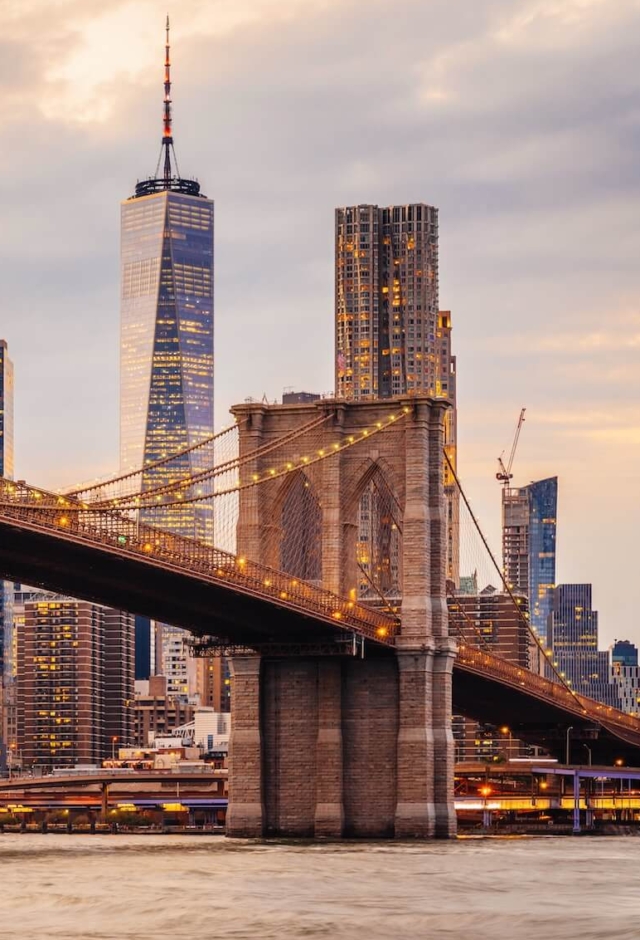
{"x": 113, "y": 747}
{"x": 588, "y": 750}
{"x": 486, "y": 816}
{"x": 568, "y": 747}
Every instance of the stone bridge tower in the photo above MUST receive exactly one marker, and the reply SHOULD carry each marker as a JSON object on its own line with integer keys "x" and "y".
{"x": 344, "y": 746}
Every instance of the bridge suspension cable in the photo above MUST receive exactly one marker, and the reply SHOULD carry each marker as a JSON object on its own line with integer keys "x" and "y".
{"x": 179, "y": 470}
{"x": 487, "y": 615}
{"x": 84, "y": 492}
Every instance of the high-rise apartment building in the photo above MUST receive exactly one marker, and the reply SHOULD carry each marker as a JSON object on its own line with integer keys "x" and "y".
{"x": 75, "y": 681}
{"x": 490, "y": 620}
{"x": 391, "y": 336}
{"x": 157, "y": 713}
{"x": 166, "y": 365}
{"x": 21, "y": 595}
{"x": 213, "y": 682}
{"x": 529, "y": 522}
{"x": 572, "y": 635}
{"x": 386, "y": 301}
{"x": 6, "y": 587}
{"x": 175, "y": 661}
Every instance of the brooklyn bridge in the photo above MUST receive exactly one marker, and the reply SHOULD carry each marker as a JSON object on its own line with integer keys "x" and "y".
{"x": 318, "y": 546}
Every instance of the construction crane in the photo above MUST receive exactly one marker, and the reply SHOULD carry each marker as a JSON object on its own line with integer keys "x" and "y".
{"x": 505, "y": 474}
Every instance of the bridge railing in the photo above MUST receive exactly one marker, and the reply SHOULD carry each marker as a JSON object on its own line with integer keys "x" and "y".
{"x": 124, "y": 533}
{"x": 477, "y": 660}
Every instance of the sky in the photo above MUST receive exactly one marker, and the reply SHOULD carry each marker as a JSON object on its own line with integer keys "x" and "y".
{"x": 518, "y": 119}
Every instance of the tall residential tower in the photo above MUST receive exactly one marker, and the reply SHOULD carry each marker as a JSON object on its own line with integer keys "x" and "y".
{"x": 166, "y": 374}
{"x": 391, "y": 337}
{"x": 6, "y": 470}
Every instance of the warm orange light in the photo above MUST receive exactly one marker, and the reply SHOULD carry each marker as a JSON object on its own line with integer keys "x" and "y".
{"x": 485, "y": 791}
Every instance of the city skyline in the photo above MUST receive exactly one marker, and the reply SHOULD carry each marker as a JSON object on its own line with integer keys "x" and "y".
{"x": 527, "y": 292}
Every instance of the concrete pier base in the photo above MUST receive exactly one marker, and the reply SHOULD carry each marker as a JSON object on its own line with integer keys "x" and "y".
{"x": 332, "y": 748}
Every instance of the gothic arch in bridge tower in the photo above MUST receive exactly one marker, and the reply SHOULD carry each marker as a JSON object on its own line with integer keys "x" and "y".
{"x": 299, "y": 512}
{"x": 376, "y": 508}
{"x": 325, "y": 742}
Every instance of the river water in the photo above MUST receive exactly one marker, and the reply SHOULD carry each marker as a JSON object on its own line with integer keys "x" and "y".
{"x": 183, "y": 888}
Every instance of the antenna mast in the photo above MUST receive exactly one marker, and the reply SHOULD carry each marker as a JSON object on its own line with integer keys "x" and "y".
{"x": 167, "y": 138}
{"x": 169, "y": 179}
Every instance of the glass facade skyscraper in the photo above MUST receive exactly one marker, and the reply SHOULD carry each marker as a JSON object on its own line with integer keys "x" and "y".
{"x": 166, "y": 341}
{"x": 572, "y": 634}
{"x": 543, "y": 514}
{"x": 529, "y": 521}
{"x": 166, "y": 382}
{"x": 166, "y": 374}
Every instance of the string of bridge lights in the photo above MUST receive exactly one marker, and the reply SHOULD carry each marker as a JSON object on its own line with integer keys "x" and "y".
{"x": 202, "y": 475}
{"x": 143, "y": 501}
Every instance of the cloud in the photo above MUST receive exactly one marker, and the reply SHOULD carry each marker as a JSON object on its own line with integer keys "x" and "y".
{"x": 519, "y": 120}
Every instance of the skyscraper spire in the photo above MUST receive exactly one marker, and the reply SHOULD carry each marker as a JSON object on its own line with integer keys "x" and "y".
{"x": 167, "y": 138}
{"x": 169, "y": 179}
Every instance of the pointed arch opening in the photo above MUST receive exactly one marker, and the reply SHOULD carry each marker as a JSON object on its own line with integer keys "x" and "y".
{"x": 301, "y": 530}
{"x": 379, "y": 542}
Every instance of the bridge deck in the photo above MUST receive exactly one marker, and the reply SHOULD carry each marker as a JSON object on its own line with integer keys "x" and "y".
{"x": 111, "y": 558}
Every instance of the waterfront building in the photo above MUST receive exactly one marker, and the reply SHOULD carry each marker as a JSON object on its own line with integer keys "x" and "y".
{"x": 391, "y": 339}
{"x": 21, "y": 594}
{"x": 6, "y": 470}
{"x": 489, "y": 619}
{"x": 213, "y": 683}
{"x": 529, "y": 522}
{"x": 156, "y": 713}
{"x": 175, "y": 661}
{"x": 74, "y": 683}
{"x": 166, "y": 374}
{"x": 572, "y": 636}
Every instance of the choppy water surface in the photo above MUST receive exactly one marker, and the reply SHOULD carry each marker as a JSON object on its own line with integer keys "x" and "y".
{"x": 158, "y": 887}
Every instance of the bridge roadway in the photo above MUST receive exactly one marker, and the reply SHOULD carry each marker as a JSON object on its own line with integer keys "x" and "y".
{"x": 112, "y": 560}
{"x": 104, "y": 789}
{"x": 102, "y": 777}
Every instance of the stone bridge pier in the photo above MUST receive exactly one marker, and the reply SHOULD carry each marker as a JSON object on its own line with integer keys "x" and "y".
{"x": 338, "y": 746}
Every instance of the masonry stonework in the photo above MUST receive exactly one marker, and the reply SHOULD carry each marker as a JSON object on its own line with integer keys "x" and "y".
{"x": 325, "y": 746}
